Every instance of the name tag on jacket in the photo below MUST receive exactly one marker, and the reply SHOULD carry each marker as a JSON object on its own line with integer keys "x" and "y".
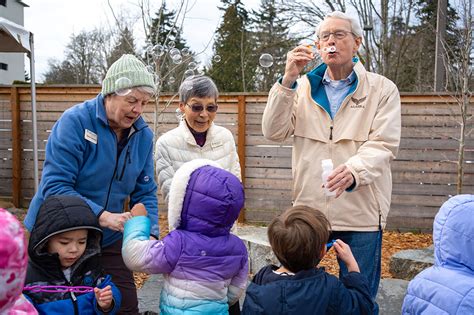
{"x": 90, "y": 136}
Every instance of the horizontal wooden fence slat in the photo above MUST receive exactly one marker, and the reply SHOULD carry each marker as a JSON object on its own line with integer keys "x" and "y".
{"x": 424, "y": 172}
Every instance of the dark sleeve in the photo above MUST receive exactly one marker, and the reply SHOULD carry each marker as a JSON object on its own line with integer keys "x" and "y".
{"x": 351, "y": 295}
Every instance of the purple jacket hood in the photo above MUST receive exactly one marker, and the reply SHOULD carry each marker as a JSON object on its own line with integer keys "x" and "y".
{"x": 204, "y": 198}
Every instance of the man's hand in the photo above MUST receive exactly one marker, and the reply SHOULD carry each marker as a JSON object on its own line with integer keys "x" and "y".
{"x": 296, "y": 60}
{"x": 104, "y": 297}
{"x": 340, "y": 179}
{"x": 114, "y": 221}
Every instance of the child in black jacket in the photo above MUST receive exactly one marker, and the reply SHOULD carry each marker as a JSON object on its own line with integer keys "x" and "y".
{"x": 64, "y": 275}
{"x": 298, "y": 239}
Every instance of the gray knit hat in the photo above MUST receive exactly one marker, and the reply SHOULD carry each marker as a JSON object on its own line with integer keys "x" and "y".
{"x": 126, "y": 72}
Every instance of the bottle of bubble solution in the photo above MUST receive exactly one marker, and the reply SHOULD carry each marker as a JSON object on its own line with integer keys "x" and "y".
{"x": 327, "y": 170}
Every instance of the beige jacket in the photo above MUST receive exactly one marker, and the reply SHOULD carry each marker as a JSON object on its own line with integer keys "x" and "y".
{"x": 364, "y": 135}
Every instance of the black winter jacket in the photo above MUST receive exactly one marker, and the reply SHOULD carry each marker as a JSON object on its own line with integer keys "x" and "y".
{"x": 62, "y": 214}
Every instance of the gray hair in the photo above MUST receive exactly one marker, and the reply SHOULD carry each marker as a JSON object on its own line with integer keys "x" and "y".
{"x": 197, "y": 86}
{"x": 355, "y": 25}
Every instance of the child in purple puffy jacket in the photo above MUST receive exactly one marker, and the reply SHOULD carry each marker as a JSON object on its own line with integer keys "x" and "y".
{"x": 204, "y": 266}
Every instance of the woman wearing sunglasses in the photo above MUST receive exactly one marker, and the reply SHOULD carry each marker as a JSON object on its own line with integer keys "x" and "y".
{"x": 196, "y": 137}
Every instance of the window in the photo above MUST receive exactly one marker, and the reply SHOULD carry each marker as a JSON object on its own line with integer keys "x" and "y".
{"x": 3, "y": 2}
{"x": 3, "y": 66}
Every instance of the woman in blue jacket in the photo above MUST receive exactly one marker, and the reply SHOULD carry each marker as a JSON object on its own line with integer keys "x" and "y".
{"x": 448, "y": 286}
{"x": 102, "y": 151}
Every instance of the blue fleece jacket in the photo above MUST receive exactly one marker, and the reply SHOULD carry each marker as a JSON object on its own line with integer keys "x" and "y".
{"x": 82, "y": 160}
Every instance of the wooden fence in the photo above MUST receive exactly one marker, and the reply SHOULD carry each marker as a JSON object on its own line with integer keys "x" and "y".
{"x": 424, "y": 173}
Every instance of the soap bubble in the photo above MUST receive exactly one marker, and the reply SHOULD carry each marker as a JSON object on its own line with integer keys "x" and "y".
{"x": 185, "y": 51}
{"x": 174, "y": 52}
{"x": 177, "y": 59}
{"x": 179, "y": 114}
{"x": 188, "y": 73}
{"x": 122, "y": 85}
{"x": 266, "y": 60}
{"x": 171, "y": 80}
{"x": 187, "y": 85}
{"x": 158, "y": 50}
{"x": 171, "y": 44}
{"x": 157, "y": 80}
{"x": 150, "y": 69}
{"x": 329, "y": 49}
{"x": 192, "y": 65}
{"x": 217, "y": 58}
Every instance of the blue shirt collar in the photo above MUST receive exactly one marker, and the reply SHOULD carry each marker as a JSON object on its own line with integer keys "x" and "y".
{"x": 350, "y": 78}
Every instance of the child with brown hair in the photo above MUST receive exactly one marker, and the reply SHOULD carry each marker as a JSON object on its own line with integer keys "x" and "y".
{"x": 298, "y": 238}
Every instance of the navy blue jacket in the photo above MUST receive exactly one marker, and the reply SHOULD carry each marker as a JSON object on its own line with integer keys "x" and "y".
{"x": 311, "y": 291}
{"x": 82, "y": 159}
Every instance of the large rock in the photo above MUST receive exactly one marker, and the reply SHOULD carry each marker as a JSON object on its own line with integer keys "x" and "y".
{"x": 406, "y": 264}
{"x": 258, "y": 248}
{"x": 390, "y": 296}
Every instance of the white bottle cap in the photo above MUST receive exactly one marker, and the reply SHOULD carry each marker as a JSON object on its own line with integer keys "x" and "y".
{"x": 327, "y": 163}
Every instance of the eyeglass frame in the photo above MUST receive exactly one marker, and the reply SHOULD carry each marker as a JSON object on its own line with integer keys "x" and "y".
{"x": 195, "y": 106}
{"x": 335, "y": 35}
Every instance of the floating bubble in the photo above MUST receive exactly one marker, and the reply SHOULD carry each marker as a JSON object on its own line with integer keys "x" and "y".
{"x": 192, "y": 65}
{"x": 187, "y": 85}
{"x": 266, "y": 60}
{"x": 171, "y": 80}
{"x": 217, "y": 58}
{"x": 185, "y": 51}
{"x": 179, "y": 114}
{"x": 123, "y": 86}
{"x": 158, "y": 50}
{"x": 329, "y": 49}
{"x": 150, "y": 69}
{"x": 177, "y": 59}
{"x": 188, "y": 73}
{"x": 171, "y": 44}
{"x": 174, "y": 52}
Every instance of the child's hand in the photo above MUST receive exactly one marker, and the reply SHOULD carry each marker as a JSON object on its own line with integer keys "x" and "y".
{"x": 104, "y": 297}
{"x": 138, "y": 209}
{"x": 344, "y": 253}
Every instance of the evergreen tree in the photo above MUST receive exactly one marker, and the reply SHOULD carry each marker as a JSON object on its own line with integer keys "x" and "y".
{"x": 272, "y": 37}
{"x": 234, "y": 69}
{"x": 416, "y": 72}
{"x": 125, "y": 44}
{"x": 164, "y": 36}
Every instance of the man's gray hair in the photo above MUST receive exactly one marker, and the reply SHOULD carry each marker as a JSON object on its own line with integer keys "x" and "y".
{"x": 355, "y": 26}
{"x": 197, "y": 86}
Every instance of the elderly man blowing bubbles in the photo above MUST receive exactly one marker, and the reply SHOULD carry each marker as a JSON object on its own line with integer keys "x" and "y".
{"x": 340, "y": 111}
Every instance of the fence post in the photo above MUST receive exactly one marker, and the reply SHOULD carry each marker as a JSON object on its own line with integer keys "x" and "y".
{"x": 241, "y": 145}
{"x": 16, "y": 146}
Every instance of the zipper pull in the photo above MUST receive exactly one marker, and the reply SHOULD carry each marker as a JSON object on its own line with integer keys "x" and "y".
{"x": 330, "y": 132}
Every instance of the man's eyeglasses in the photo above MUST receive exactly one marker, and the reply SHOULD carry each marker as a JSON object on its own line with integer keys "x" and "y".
{"x": 197, "y": 108}
{"x": 324, "y": 36}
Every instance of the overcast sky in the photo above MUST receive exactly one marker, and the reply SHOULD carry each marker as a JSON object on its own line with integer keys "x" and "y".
{"x": 53, "y": 21}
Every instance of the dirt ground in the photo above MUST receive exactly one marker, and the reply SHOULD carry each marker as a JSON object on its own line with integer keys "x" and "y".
{"x": 392, "y": 243}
